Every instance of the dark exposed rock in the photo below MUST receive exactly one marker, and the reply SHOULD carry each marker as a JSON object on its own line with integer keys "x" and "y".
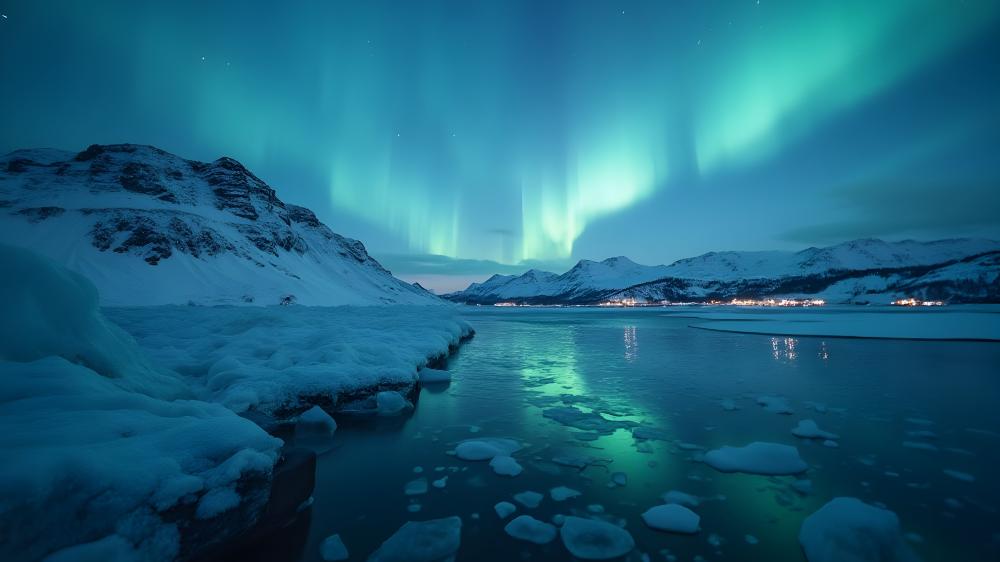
{"x": 18, "y": 165}
{"x": 143, "y": 178}
{"x": 36, "y": 214}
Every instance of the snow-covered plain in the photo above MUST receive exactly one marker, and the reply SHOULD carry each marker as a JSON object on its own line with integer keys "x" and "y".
{"x": 116, "y": 449}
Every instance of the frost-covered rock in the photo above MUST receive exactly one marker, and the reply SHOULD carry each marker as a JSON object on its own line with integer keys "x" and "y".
{"x": 849, "y": 530}
{"x": 590, "y": 539}
{"x": 486, "y": 448}
{"x": 527, "y": 528}
{"x": 770, "y": 459}
{"x": 672, "y": 517}
{"x": 421, "y": 541}
{"x": 333, "y": 549}
{"x": 506, "y": 466}
{"x": 807, "y": 429}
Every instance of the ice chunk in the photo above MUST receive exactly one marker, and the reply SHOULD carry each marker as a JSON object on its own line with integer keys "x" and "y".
{"x": 831, "y": 444}
{"x": 504, "y": 509}
{"x": 751, "y": 539}
{"x": 433, "y": 376}
{"x": 529, "y": 499}
{"x": 728, "y": 404}
{"x": 775, "y": 404}
{"x": 619, "y": 478}
{"x": 485, "y": 449}
{"x": 314, "y": 427}
{"x": 440, "y": 482}
{"x": 959, "y": 475}
{"x": 595, "y": 508}
{"x": 390, "y": 403}
{"x": 681, "y": 498}
{"x": 421, "y": 541}
{"x": 527, "y": 528}
{"x": 562, "y": 493}
{"x": 771, "y": 459}
{"x": 332, "y": 548}
{"x": 505, "y": 466}
{"x": 416, "y": 487}
{"x": 849, "y": 530}
{"x": 572, "y": 416}
{"x": 807, "y": 429}
{"x": 589, "y": 539}
{"x": 672, "y": 517}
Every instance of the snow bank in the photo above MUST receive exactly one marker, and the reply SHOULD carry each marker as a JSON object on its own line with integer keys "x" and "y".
{"x": 284, "y": 359}
{"x": 849, "y": 530}
{"x": 100, "y": 457}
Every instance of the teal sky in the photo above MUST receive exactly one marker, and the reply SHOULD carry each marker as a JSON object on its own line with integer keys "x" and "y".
{"x": 458, "y": 139}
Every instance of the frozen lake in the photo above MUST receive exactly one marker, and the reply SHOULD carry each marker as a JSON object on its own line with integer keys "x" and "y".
{"x": 918, "y": 427}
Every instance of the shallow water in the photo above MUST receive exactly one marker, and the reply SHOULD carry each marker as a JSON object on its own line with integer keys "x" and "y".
{"x": 649, "y": 367}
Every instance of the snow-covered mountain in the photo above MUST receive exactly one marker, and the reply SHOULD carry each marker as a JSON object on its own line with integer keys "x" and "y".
{"x": 585, "y": 282}
{"x": 959, "y": 270}
{"x": 149, "y": 227}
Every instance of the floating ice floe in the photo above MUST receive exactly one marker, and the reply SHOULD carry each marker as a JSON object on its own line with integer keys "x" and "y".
{"x": 807, "y": 429}
{"x": 505, "y": 466}
{"x": 486, "y": 448}
{"x": 919, "y": 445}
{"x": 332, "y": 549}
{"x": 421, "y": 541}
{"x": 527, "y": 528}
{"x": 391, "y": 403}
{"x": 427, "y": 375}
{"x": 595, "y": 508}
{"x": 751, "y": 539}
{"x": 562, "y": 493}
{"x": 775, "y": 404}
{"x": 504, "y": 509}
{"x": 728, "y": 404}
{"x": 681, "y": 498}
{"x": 959, "y": 475}
{"x": 831, "y": 444}
{"x": 619, "y": 478}
{"x": 415, "y": 487}
{"x": 572, "y": 416}
{"x": 440, "y": 482}
{"x": 647, "y": 432}
{"x": 528, "y": 498}
{"x": 849, "y": 530}
{"x": 672, "y": 517}
{"x": 769, "y": 459}
{"x": 589, "y": 539}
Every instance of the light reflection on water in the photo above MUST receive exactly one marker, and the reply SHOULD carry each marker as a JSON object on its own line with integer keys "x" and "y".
{"x": 525, "y": 361}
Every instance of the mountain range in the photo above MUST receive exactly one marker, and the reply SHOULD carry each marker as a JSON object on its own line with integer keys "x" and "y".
{"x": 859, "y": 271}
{"x": 148, "y": 227}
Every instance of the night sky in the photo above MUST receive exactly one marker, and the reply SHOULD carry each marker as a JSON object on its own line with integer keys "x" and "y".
{"x": 449, "y": 136}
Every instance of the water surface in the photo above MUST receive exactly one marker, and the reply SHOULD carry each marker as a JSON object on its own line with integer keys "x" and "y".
{"x": 648, "y": 367}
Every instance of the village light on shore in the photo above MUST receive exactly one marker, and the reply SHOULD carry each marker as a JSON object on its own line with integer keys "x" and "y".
{"x": 914, "y": 302}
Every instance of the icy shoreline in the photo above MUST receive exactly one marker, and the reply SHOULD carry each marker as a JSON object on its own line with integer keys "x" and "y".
{"x": 143, "y": 433}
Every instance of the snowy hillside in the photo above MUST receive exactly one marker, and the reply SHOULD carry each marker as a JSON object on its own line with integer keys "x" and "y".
{"x": 148, "y": 227}
{"x": 959, "y": 270}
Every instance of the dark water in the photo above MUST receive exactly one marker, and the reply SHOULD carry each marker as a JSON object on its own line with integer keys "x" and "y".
{"x": 651, "y": 368}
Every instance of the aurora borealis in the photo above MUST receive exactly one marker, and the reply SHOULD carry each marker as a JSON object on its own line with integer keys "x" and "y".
{"x": 462, "y": 138}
